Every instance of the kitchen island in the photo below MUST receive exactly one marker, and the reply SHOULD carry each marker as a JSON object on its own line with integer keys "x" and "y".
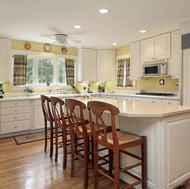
{"x": 167, "y": 128}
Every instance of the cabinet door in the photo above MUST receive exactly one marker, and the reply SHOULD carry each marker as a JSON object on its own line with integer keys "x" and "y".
{"x": 135, "y": 63}
{"x": 102, "y": 65}
{"x": 147, "y": 50}
{"x": 175, "y": 61}
{"x": 186, "y": 78}
{"x": 38, "y": 117}
{"x": 87, "y": 65}
{"x": 162, "y": 46}
{"x": 106, "y": 65}
{"x": 170, "y": 101}
{"x": 5, "y": 58}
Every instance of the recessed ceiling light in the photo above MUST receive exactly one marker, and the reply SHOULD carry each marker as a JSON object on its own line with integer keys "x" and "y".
{"x": 77, "y": 26}
{"x": 142, "y": 31}
{"x": 114, "y": 43}
{"x": 103, "y": 11}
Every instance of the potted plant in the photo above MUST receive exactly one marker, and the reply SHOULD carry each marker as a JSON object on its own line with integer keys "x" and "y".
{"x": 28, "y": 91}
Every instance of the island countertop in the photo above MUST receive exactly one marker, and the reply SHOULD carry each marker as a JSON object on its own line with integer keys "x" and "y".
{"x": 141, "y": 109}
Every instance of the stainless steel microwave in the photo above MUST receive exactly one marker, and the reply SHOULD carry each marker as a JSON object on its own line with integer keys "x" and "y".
{"x": 155, "y": 69}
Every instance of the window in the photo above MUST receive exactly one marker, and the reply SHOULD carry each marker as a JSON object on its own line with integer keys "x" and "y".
{"x": 123, "y": 73}
{"x": 40, "y": 70}
{"x": 46, "y": 71}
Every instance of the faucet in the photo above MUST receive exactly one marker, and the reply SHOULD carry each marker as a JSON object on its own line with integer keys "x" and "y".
{"x": 50, "y": 91}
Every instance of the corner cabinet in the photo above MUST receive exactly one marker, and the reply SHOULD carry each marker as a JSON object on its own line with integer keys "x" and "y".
{"x": 156, "y": 48}
{"x": 87, "y": 68}
{"x": 5, "y": 58}
{"x": 106, "y": 63}
{"x": 135, "y": 63}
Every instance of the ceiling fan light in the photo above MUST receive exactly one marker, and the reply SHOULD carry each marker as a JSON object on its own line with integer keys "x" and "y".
{"x": 61, "y": 37}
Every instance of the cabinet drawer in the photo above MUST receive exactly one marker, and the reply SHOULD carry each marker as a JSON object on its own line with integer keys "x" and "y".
{"x": 15, "y": 103}
{"x": 15, "y": 110}
{"x": 16, "y": 126}
{"x": 16, "y": 117}
{"x": 165, "y": 101}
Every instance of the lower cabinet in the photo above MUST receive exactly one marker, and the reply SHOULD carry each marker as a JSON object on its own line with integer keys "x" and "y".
{"x": 151, "y": 100}
{"x": 38, "y": 115}
{"x": 15, "y": 116}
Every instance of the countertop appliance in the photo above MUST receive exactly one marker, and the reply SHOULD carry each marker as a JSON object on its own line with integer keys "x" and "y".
{"x": 1, "y": 90}
{"x": 101, "y": 88}
{"x": 154, "y": 69}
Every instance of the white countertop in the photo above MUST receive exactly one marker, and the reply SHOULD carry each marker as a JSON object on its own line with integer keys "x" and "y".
{"x": 140, "y": 109}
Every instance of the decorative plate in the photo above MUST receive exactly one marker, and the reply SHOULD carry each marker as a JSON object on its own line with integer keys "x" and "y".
{"x": 27, "y": 46}
{"x": 64, "y": 50}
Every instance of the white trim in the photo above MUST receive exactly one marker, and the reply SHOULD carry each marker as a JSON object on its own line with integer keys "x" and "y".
{"x": 123, "y": 56}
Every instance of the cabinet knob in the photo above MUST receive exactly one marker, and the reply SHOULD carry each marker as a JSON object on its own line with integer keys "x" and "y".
{"x": 15, "y": 103}
{"x": 15, "y": 127}
{"x": 15, "y": 110}
{"x": 15, "y": 117}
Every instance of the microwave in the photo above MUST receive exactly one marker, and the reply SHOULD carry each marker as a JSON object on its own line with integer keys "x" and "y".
{"x": 155, "y": 69}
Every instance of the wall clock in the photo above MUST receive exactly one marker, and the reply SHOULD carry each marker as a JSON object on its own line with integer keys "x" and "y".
{"x": 47, "y": 48}
{"x": 27, "y": 46}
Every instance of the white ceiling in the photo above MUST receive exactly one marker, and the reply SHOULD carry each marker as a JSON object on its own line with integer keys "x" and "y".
{"x": 35, "y": 20}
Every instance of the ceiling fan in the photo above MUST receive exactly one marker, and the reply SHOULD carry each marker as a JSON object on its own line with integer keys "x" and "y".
{"x": 63, "y": 39}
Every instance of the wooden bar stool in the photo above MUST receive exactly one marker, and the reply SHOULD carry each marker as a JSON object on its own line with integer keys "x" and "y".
{"x": 118, "y": 142}
{"x": 61, "y": 122}
{"x": 48, "y": 121}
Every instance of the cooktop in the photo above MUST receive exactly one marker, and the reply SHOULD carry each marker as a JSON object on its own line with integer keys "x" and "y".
{"x": 156, "y": 94}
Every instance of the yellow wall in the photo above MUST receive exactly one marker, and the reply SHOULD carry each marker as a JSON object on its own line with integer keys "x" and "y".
{"x": 150, "y": 84}
{"x": 39, "y": 47}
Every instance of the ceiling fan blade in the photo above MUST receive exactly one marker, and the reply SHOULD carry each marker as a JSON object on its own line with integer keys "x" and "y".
{"x": 74, "y": 41}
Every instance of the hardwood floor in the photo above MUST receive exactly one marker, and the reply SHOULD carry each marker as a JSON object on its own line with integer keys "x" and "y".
{"x": 27, "y": 166}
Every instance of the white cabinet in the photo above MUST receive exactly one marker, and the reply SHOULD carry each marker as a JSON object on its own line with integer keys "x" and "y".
{"x": 170, "y": 101}
{"x": 106, "y": 65}
{"x": 15, "y": 116}
{"x": 38, "y": 115}
{"x": 5, "y": 58}
{"x": 155, "y": 48}
{"x": 175, "y": 61}
{"x": 135, "y": 63}
{"x": 150, "y": 100}
{"x": 186, "y": 78}
{"x": 87, "y": 68}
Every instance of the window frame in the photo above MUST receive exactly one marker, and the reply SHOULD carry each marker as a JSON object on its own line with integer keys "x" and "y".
{"x": 38, "y": 55}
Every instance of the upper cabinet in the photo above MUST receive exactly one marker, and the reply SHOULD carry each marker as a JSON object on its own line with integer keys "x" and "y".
{"x": 155, "y": 48}
{"x": 135, "y": 63}
{"x": 106, "y": 65}
{"x": 87, "y": 65}
{"x": 96, "y": 65}
{"x": 5, "y": 58}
